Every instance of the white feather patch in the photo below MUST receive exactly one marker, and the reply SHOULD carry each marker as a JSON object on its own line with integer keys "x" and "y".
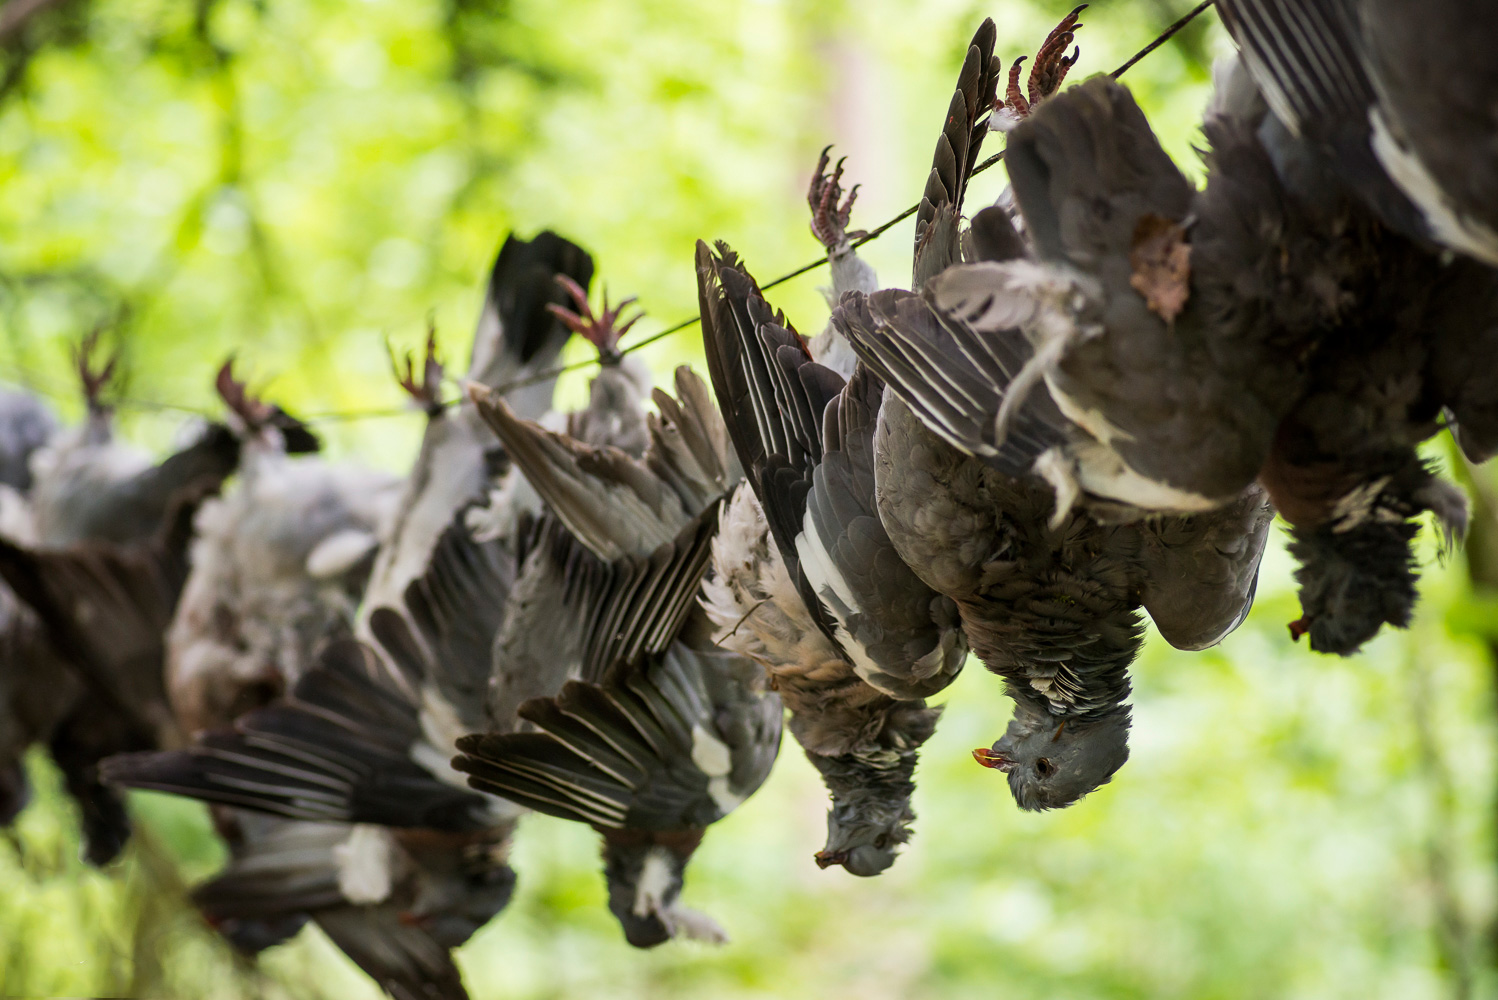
{"x": 1103, "y": 473}
{"x": 339, "y": 553}
{"x": 655, "y": 881}
{"x": 1447, "y": 223}
{"x": 364, "y": 862}
{"x": 714, "y": 759}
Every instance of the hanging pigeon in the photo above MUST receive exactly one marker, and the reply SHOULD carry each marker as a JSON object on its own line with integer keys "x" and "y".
{"x": 685, "y": 733}
{"x": 805, "y": 579}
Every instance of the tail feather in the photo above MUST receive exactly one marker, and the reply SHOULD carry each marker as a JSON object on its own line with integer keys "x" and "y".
{"x": 338, "y": 750}
{"x": 517, "y": 335}
{"x": 937, "y": 234}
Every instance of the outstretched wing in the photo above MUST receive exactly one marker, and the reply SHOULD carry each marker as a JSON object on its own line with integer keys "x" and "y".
{"x": 954, "y": 371}
{"x": 457, "y": 607}
{"x": 771, "y": 395}
{"x": 1201, "y": 571}
{"x": 676, "y": 741}
{"x": 336, "y": 750}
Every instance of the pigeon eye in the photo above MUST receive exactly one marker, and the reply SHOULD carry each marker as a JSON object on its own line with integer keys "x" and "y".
{"x": 881, "y": 841}
{"x": 1045, "y": 767}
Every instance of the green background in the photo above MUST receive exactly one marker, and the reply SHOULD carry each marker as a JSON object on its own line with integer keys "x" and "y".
{"x": 296, "y": 181}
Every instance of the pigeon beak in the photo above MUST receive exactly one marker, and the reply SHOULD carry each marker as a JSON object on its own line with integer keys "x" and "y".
{"x": 1298, "y": 628}
{"x": 989, "y": 757}
{"x": 826, "y": 859}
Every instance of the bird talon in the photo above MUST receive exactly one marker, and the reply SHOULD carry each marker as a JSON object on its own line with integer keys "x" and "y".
{"x": 1046, "y": 73}
{"x": 94, "y": 379}
{"x": 830, "y": 211}
{"x": 603, "y": 330}
{"x": 427, "y": 391}
{"x": 236, "y": 396}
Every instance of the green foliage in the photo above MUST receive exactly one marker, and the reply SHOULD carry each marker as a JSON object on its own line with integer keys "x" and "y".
{"x": 296, "y": 180}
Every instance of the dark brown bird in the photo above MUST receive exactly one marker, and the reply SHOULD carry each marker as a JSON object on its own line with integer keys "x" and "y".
{"x": 1396, "y": 98}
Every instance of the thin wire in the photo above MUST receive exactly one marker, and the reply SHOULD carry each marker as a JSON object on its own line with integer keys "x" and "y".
{"x": 872, "y": 234}
{"x": 675, "y": 328}
{"x": 1165, "y": 36}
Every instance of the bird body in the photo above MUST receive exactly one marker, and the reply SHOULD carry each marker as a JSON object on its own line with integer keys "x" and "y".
{"x": 1398, "y": 98}
{"x": 609, "y": 706}
{"x": 804, "y": 575}
{"x": 279, "y": 564}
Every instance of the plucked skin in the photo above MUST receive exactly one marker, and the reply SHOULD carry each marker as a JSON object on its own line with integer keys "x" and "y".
{"x": 261, "y": 598}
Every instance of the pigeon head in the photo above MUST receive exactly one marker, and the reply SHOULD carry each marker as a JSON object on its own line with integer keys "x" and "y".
{"x": 871, "y": 788}
{"x": 1053, "y": 762}
{"x": 1357, "y": 570}
{"x": 645, "y": 870}
{"x": 484, "y": 883}
{"x": 868, "y": 825}
{"x": 871, "y": 815}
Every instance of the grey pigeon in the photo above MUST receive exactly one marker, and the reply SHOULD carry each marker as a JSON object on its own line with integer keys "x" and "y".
{"x": 1049, "y": 595}
{"x": 805, "y": 578}
{"x": 386, "y": 704}
{"x": 100, "y": 564}
{"x": 394, "y": 901}
{"x": 647, "y": 732}
{"x": 406, "y": 863}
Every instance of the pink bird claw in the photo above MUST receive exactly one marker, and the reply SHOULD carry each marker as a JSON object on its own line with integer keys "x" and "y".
{"x": 604, "y": 329}
{"x": 830, "y": 211}
{"x": 426, "y": 390}
{"x": 1046, "y": 74}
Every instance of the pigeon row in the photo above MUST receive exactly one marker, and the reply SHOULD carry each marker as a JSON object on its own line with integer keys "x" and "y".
{"x": 1087, "y": 407}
